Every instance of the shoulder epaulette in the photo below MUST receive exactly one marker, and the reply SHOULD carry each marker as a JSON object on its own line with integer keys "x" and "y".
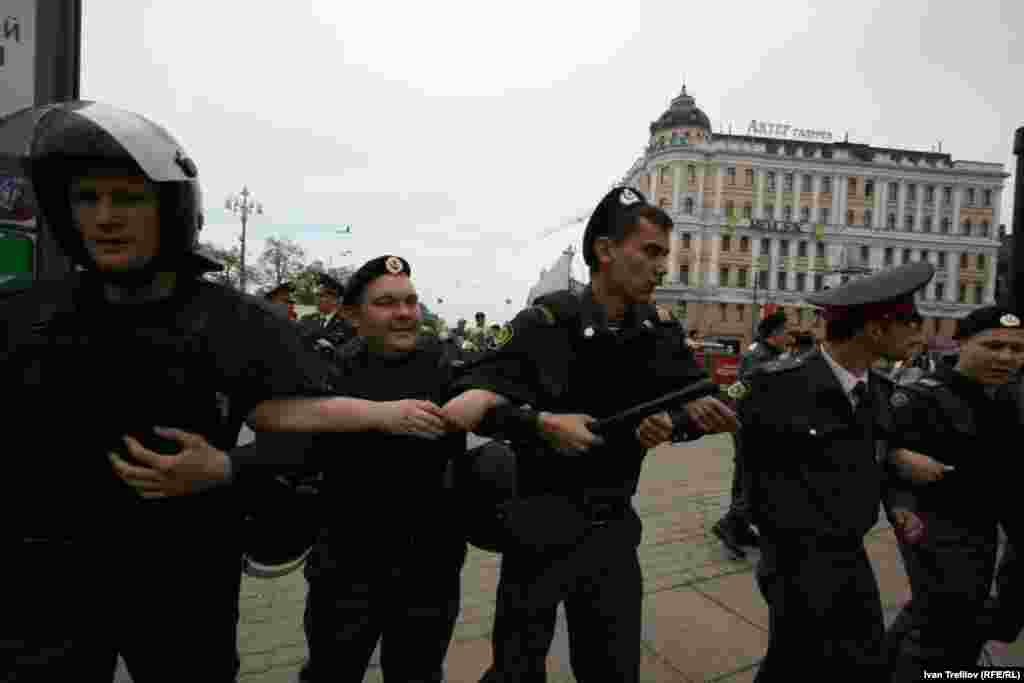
{"x": 561, "y": 306}
{"x": 775, "y": 367}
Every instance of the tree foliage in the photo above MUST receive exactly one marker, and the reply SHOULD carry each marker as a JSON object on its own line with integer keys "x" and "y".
{"x": 232, "y": 261}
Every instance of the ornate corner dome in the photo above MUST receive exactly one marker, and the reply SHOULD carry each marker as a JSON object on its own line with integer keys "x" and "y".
{"x": 682, "y": 112}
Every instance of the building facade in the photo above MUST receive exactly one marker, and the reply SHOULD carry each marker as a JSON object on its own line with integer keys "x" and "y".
{"x": 764, "y": 221}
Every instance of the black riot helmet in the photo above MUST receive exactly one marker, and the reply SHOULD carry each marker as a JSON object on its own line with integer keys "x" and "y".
{"x": 78, "y": 138}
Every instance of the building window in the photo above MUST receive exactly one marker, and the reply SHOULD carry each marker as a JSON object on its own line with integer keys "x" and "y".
{"x": 966, "y": 227}
{"x": 988, "y": 197}
{"x": 865, "y": 254}
{"x": 924, "y": 256}
{"x": 890, "y": 221}
{"x": 688, "y": 206}
{"x": 826, "y": 185}
{"x": 745, "y": 245}
{"x": 824, "y": 215}
{"x": 940, "y": 291}
{"x": 808, "y": 183}
{"x": 730, "y": 208}
{"x": 691, "y": 171}
{"x": 929, "y": 193}
{"x": 787, "y": 182}
{"x": 945, "y": 225}
{"x": 867, "y": 218}
{"x": 820, "y": 249}
{"x": 769, "y": 210}
{"x": 963, "y": 294}
{"x": 663, "y": 174}
{"x": 908, "y": 223}
{"x": 970, "y": 196}
{"x": 942, "y": 259}
{"x": 963, "y": 261}
{"x": 749, "y": 175}
{"x": 888, "y": 256}
{"x": 724, "y": 310}
{"x": 686, "y": 240}
{"x": 726, "y": 242}
{"x": 894, "y": 189}
{"x": 851, "y": 187}
{"x": 748, "y": 211}
{"x": 844, "y": 279}
{"x": 771, "y": 180}
{"x": 723, "y": 277}
{"x": 805, "y": 213}
{"x": 762, "y": 279}
{"x": 801, "y": 282}
{"x": 801, "y": 249}
{"x": 741, "y": 277}
{"x": 947, "y": 195}
{"x": 906, "y": 256}
{"x": 849, "y": 217}
{"x": 684, "y": 274}
{"x": 869, "y": 189}
{"x": 979, "y": 294}
{"x": 981, "y": 262}
{"x": 780, "y": 280}
{"x": 783, "y": 248}
{"x": 819, "y": 282}
{"x": 787, "y": 213}
{"x": 731, "y": 171}
{"x": 766, "y": 245}
{"x": 911, "y": 193}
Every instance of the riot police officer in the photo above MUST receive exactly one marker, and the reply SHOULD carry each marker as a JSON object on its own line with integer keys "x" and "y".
{"x": 816, "y": 484}
{"x": 734, "y": 529}
{"x": 124, "y": 544}
{"x": 387, "y": 565}
{"x": 940, "y": 420}
{"x": 132, "y": 340}
{"x": 326, "y": 329}
{"x": 560, "y": 363}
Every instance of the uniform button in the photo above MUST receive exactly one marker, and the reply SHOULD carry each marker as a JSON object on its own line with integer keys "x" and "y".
{"x": 814, "y": 432}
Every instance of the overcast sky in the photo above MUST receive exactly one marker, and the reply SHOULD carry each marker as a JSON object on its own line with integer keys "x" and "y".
{"x": 454, "y": 133}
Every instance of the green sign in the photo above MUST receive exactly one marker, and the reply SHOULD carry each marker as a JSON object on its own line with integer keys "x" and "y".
{"x": 17, "y": 251}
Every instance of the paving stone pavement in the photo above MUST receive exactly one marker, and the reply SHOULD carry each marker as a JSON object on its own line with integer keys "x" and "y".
{"x": 703, "y": 617}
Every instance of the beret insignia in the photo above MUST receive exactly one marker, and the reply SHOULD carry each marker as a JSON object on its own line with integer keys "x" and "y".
{"x": 899, "y": 399}
{"x": 394, "y": 265}
{"x": 1009, "y": 320}
{"x": 503, "y": 336}
{"x": 628, "y": 197}
{"x": 737, "y": 391}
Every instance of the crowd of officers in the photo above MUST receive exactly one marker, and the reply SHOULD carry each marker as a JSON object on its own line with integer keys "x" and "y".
{"x": 124, "y": 518}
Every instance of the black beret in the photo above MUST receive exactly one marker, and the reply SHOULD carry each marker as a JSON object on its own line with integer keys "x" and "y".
{"x": 771, "y": 324}
{"x": 987, "y": 318}
{"x": 885, "y": 294}
{"x": 370, "y": 271}
{"x": 619, "y": 207}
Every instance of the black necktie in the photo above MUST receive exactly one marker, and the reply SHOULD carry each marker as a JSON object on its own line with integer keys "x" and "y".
{"x": 863, "y": 413}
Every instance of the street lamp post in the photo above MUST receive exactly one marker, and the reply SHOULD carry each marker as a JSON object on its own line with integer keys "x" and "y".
{"x": 244, "y": 205}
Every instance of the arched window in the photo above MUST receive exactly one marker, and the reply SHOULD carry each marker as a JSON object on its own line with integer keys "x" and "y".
{"x": 945, "y": 225}
{"x": 926, "y": 224}
{"x": 867, "y": 218}
{"x": 967, "y": 227}
{"x": 908, "y": 222}
{"x": 890, "y": 221}
{"x": 985, "y": 229}
{"x": 688, "y": 206}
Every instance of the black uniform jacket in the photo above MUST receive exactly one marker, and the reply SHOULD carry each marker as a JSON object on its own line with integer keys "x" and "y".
{"x": 375, "y": 481}
{"x": 337, "y": 331}
{"x": 815, "y": 468}
{"x": 562, "y": 357}
{"x": 955, "y": 420}
{"x": 79, "y": 373}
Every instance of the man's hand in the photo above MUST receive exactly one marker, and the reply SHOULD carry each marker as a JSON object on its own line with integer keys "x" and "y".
{"x": 712, "y": 416}
{"x": 907, "y": 525}
{"x": 654, "y": 430}
{"x": 411, "y": 417}
{"x": 196, "y": 467}
{"x": 918, "y": 467}
{"x": 467, "y": 410}
{"x": 568, "y": 434}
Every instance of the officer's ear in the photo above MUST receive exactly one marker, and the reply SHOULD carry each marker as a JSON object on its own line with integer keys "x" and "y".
{"x": 351, "y": 313}
{"x": 603, "y": 249}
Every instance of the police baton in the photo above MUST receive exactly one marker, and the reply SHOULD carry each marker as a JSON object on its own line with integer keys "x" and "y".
{"x": 1016, "y": 253}
{"x": 672, "y": 400}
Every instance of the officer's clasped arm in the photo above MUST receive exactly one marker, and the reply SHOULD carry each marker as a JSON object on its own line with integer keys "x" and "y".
{"x": 333, "y": 414}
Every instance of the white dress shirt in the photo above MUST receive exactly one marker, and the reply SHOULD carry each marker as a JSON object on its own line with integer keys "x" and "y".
{"x": 847, "y": 380}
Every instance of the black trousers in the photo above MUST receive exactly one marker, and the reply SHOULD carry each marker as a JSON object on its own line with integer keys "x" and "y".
{"x": 600, "y": 582}
{"x": 825, "y": 611}
{"x": 169, "y": 609}
{"x": 739, "y": 503}
{"x": 409, "y": 602}
{"x": 948, "y": 621}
